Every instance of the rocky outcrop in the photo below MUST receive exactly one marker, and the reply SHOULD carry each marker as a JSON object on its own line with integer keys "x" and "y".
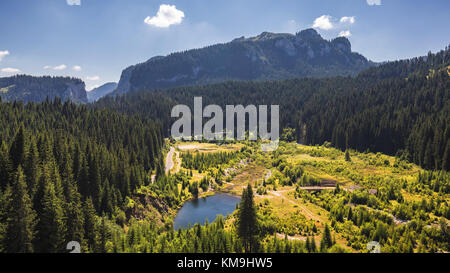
{"x": 343, "y": 44}
{"x": 36, "y": 89}
{"x": 124, "y": 84}
{"x": 76, "y": 91}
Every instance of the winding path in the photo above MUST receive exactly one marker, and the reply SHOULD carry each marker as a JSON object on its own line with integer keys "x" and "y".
{"x": 169, "y": 160}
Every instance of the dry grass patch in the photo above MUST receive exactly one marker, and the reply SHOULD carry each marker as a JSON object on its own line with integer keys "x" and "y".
{"x": 207, "y": 147}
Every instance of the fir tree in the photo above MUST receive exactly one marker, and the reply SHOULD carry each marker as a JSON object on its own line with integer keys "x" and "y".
{"x": 32, "y": 167}
{"x": 347, "y": 156}
{"x": 326, "y": 241}
{"x": 90, "y": 223}
{"x": 247, "y": 223}
{"x": 51, "y": 226}
{"x": 20, "y": 220}
{"x": 5, "y": 166}
{"x": 17, "y": 150}
{"x": 75, "y": 216}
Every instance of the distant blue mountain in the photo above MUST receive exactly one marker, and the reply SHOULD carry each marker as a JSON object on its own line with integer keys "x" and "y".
{"x": 101, "y": 91}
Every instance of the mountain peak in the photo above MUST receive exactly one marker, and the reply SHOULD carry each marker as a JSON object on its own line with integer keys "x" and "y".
{"x": 268, "y": 35}
{"x": 309, "y": 33}
{"x": 264, "y": 36}
{"x": 342, "y": 43}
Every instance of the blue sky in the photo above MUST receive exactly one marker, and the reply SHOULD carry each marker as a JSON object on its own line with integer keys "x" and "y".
{"x": 95, "y": 39}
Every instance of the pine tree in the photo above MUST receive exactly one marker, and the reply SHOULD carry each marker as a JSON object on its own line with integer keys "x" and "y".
{"x": 17, "y": 149}
{"x": 5, "y": 197}
{"x": 446, "y": 157}
{"x": 83, "y": 178}
{"x": 326, "y": 241}
{"x": 44, "y": 180}
{"x": 95, "y": 184}
{"x": 5, "y": 166}
{"x": 313, "y": 245}
{"x": 57, "y": 183}
{"x": 20, "y": 222}
{"x": 104, "y": 236}
{"x": 347, "y": 156}
{"x": 247, "y": 223}
{"x": 75, "y": 216}
{"x": 90, "y": 223}
{"x": 32, "y": 168}
{"x": 51, "y": 226}
{"x": 107, "y": 205}
{"x": 308, "y": 244}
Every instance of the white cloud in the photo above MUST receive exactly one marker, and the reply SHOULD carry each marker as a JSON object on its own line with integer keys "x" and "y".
{"x": 93, "y": 78}
{"x": 348, "y": 19}
{"x": 60, "y": 67}
{"x": 167, "y": 15}
{"x": 47, "y": 67}
{"x": 76, "y": 68}
{"x": 73, "y": 2}
{"x": 10, "y": 70}
{"x": 373, "y": 2}
{"x": 323, "y": 22}
{"x": 3, "y": 54}
{"x": 345, "y": 33}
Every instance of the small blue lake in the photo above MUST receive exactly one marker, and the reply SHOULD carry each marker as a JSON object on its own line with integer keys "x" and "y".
{"x": 198, "y": 210}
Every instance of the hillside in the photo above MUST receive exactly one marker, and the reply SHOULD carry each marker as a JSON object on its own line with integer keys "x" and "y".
{"x": 399, "y": 107}
{"x": 28, "y": 88}
{"x": 101, "y": 91}
{"x": 268, "y": 56}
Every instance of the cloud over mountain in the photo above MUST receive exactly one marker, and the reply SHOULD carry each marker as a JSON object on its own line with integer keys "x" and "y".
{"x": 323, "y": 22}
{"x": 167, "y": 15}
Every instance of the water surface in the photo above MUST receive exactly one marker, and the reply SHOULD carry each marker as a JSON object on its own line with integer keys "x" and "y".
{"x": 198, "y": 210}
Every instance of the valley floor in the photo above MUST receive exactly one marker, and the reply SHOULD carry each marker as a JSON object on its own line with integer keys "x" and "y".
{"x": 301, "y": 207}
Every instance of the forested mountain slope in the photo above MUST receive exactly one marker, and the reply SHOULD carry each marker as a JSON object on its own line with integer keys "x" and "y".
{"x": 268, "y": 56}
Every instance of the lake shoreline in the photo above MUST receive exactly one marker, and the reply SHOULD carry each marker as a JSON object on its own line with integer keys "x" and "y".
{"x": 209, "y": 209}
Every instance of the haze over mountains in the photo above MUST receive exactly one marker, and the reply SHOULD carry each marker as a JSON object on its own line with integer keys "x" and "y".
{"x": 268, "y": 56}
{"x": 101, "y": 91}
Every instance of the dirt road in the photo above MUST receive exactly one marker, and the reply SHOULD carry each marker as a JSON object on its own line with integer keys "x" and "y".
{"x": 169, "y": 160}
